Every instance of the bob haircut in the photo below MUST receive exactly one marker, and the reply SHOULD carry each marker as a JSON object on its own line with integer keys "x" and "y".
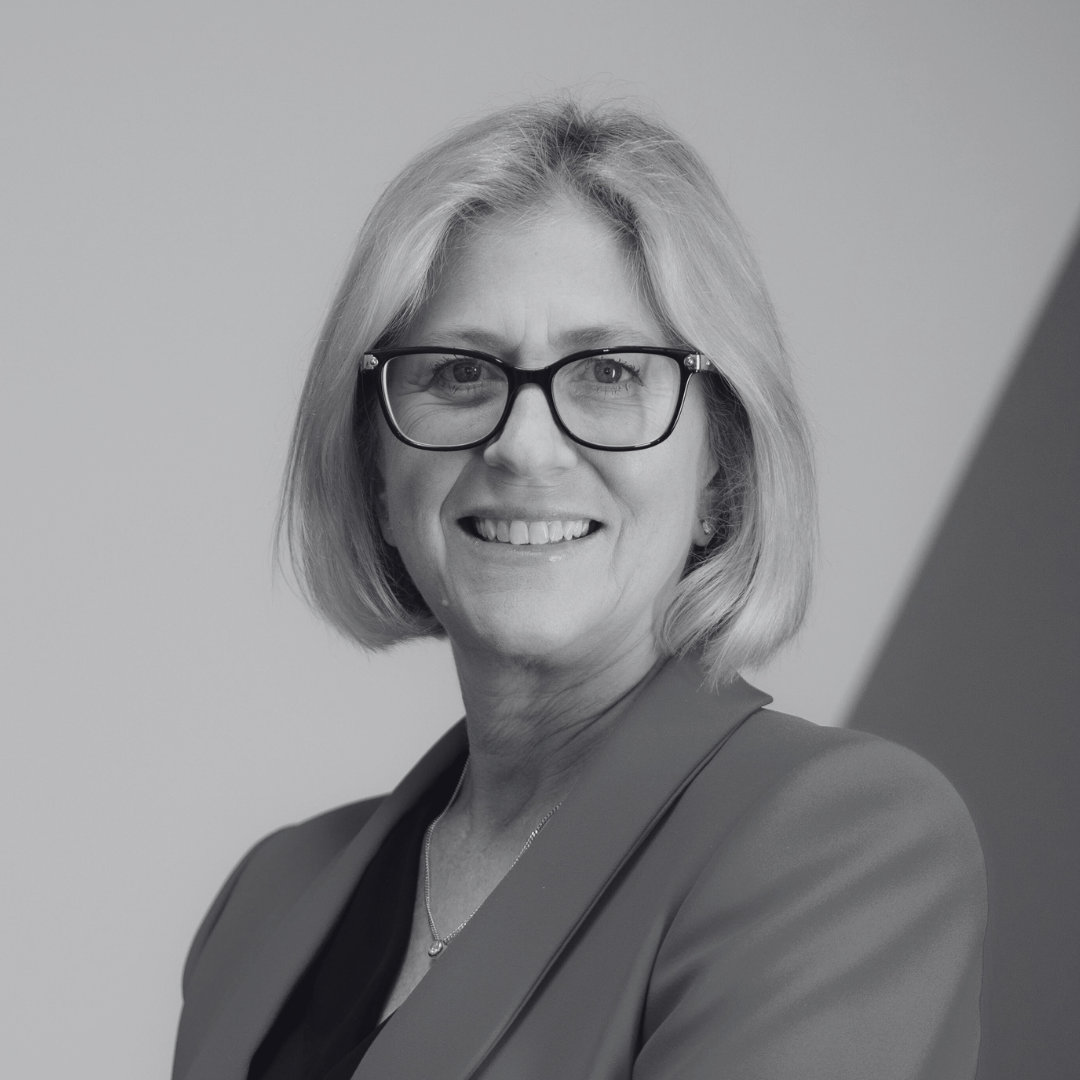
{"x": 745, "y": 593}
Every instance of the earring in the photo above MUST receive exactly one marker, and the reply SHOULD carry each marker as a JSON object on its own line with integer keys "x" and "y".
{"x": 706, "y": 526}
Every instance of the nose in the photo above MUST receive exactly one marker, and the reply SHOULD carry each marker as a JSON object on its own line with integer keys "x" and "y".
{"x": 530, "y": 443}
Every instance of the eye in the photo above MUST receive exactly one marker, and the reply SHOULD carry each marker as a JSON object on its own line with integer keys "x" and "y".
{"x": 462, "y": 378}
{"x": 453, "y": 372}
{"x": 606, "y": 370}
{"x": 466, "y": 371}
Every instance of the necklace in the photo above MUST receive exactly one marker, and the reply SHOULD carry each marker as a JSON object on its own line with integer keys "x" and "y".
{"x": 440, "y": 943}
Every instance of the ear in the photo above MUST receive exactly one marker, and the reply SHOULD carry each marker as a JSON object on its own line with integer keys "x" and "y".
{"x": 382, "y": 511}
{"x": 706, "y": 525}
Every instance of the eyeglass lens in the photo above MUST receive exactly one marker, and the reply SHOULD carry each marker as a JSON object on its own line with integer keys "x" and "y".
{"x": 617, "y": 399}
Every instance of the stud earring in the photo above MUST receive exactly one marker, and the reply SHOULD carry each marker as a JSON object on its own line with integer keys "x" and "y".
{"x": 706, "y": 527}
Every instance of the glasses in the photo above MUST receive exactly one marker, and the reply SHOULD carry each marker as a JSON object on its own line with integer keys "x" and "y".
{"x": 608, "y": 399}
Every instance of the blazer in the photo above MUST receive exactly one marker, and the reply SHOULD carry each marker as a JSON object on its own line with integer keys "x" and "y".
{"x": 725, "y": 892}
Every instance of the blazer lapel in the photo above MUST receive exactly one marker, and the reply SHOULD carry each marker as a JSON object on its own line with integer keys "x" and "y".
{"x": 462, "y": 1007}
{"x": 260, "y": 991}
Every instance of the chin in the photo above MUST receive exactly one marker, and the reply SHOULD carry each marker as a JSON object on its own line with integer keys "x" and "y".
{"x": 529, "y": 634}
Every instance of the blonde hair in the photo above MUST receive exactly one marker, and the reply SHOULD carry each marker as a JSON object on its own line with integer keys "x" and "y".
{"x": 745, "y": 593}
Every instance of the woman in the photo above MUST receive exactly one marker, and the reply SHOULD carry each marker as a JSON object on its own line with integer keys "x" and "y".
{"x": 551, "y": 417}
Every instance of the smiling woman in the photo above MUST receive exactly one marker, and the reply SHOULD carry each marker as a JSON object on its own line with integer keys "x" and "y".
{"x": 527, "y": 290}
{"x": 551, "y": 418}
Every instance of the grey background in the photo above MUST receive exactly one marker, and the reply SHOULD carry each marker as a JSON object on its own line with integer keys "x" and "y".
{"x": 180, "y": 185}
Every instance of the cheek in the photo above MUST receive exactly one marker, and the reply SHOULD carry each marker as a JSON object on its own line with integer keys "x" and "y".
{"x": 402, "y": 490}
{"x": 660, "y": 500}
{"x": 677, "y": 477}
{"x": 416, "y": 484}
{"x": 408, "y": 506}
{"x": 664, "y": 493}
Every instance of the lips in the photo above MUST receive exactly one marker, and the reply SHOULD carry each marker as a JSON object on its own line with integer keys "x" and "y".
{"x": 519, "y": 532}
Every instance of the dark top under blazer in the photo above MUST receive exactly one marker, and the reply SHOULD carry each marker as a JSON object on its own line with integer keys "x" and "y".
{"x": 726, "y": 892}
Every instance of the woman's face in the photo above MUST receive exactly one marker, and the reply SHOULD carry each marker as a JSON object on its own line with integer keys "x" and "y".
{"x": 531, "y": 294}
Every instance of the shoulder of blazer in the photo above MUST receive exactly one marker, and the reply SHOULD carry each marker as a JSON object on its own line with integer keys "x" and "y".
{"x": 849, "y": 873}
{"x": 267, "y": 881}
{"x": 776, "y": 761}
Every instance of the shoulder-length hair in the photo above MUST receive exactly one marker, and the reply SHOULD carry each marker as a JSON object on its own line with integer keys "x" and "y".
{"x": 745, "y": 593}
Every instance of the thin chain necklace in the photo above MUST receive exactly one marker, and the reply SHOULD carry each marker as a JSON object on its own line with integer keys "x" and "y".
{"x": 440, "y": 943}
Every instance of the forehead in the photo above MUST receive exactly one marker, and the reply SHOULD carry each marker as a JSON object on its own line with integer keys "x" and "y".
{"x": 556, "y": 274}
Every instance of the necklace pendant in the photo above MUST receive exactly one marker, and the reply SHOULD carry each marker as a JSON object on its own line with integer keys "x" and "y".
{"x": 436, "y": 948}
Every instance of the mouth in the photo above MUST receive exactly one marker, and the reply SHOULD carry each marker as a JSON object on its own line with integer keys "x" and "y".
{"x": 532, "y": 533}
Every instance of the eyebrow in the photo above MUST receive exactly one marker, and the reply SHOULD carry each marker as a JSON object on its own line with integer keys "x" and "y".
{"x": 601, "y": 336}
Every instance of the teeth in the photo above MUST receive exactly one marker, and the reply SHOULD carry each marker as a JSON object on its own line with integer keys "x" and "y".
{"x": 530, "y": 532}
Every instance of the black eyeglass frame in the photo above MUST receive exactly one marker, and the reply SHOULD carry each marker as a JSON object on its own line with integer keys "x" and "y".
{"x": 373, "y": 365}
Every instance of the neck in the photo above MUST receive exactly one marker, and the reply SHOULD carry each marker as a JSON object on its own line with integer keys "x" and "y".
{"x": 533, "y": 727}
